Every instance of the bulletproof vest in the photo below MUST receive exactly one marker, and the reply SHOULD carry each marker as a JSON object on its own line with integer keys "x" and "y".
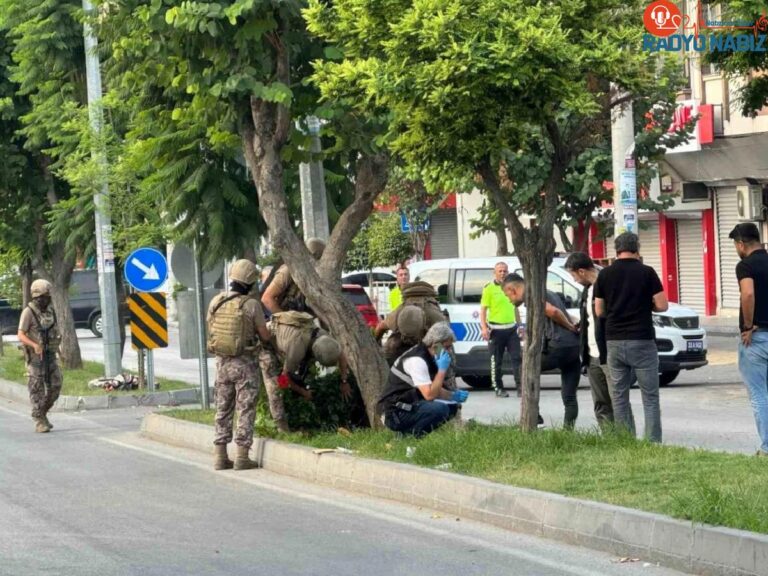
{"x": 228, "y": 331}
{"x": 400, "y": 387}
{"x": 293, "y": 299}
{"x": 45, "y": 323}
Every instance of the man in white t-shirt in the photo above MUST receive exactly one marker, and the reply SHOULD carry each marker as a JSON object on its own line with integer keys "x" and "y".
{"x": 594, "y": 350}
{"x": 415, "y": 400}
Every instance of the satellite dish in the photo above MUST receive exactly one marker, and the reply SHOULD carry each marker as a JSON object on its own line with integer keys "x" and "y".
{"x": 183, "y": 267}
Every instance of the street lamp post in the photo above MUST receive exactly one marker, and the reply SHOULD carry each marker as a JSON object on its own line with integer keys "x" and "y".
{"x": 105, "y": 253}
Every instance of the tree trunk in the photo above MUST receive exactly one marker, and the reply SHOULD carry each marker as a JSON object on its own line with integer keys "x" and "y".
{"x": 122, "y": 315}
{"x": 26, "y": 282}
{"x": 502, "y": 248}
{"x": 263, "y": 139}
{"x": 567, "y": 244}
{"x": 60, "y": 278}
{"x": 535, "y": 248}
{"x": 59, "y": 275}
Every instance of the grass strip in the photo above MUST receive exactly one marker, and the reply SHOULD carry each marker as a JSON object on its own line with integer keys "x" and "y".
{"x": 714, "y": 488}
{"x": 75, "y": 381}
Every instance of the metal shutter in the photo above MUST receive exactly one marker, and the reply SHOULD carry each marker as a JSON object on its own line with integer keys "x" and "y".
{"x": 727, "y": 218}
{"x": 444, "y": 237}
{"x": 650, "y": 245}
{"x": 690, "y": 264}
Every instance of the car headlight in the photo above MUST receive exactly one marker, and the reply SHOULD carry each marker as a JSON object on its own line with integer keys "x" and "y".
{"x": 662, "y": 321}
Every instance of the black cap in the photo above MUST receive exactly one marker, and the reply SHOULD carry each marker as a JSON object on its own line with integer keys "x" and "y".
{"x": 745, "y": 232}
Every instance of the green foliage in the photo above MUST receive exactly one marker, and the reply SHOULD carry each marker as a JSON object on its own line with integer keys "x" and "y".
{"x": 695, "y": 485}
{"x": 12, "y": 368}
{"x": 379, "y": 244}
{"x": 460, "y": 78}
{"x": 327, "y": 410}
{"x": 753, "y": 95}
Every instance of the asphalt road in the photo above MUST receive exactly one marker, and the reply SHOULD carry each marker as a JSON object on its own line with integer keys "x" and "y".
{"x": 704, "y": 408}
{"x": 93, "y": 498}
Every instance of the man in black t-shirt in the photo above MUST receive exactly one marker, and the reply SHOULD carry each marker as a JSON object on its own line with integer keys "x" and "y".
{"x": 752, "y": 273}
{"x": 627, "y": 293}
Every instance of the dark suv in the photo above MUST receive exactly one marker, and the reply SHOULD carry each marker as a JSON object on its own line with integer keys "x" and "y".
{"x": 83, "y": 299}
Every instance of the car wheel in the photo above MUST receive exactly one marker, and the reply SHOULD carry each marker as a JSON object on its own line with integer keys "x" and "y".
{"x": 666, "y": 378}
{"x": 481, "y": 382}
{"x": 96, "y": 325}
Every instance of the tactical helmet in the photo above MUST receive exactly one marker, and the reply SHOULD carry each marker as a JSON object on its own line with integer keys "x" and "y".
{"x": 410, "y": 322}
{"x": 40, "y": 288}
{"x": 243, "y": 271}
{"x": 316, "y": 246}
{"x": 326, "y": 350}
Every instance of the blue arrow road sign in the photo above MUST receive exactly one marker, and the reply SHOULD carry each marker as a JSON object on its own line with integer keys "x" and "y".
{"x": 146, "y": 269}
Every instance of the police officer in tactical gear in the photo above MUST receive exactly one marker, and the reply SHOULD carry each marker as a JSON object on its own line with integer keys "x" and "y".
{"x": 297, "y": 343}
{"x": 419, "y": 295}
{"x": 236, "y": 332}
{"x": 416, "y": 382}
{"x": 281, "y": 293}
{"x": 40, "y": 337}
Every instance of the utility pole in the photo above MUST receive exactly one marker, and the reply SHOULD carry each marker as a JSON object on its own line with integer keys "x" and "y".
{"x": 622, "y": 148}
{"x": 105, "y": 252}
{"x": 314, "y": 203}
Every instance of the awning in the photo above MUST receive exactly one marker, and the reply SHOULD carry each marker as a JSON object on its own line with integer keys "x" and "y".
{"x": 725, "y": 160}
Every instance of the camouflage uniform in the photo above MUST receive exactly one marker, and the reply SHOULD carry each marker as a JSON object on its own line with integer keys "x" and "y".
{"x": 290, "y": 297}
{"x": 293, "y": 345}
{"x": 238, "y": 380}
{"x": 42, "y": 394}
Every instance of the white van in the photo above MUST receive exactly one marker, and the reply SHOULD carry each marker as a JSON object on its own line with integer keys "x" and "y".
{"x": 459, "y": 282}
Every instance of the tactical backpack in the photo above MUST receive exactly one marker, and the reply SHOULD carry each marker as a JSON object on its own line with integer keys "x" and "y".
{"x": 227, "y": 327}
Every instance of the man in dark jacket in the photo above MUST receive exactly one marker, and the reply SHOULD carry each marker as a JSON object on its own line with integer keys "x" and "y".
{"x": 594, "y": 350}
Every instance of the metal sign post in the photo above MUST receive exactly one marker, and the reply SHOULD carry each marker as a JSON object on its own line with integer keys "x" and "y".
{"x": 149, "y": 327}
{"x": 202, "y": 349}
{"x": 150, "y": 371}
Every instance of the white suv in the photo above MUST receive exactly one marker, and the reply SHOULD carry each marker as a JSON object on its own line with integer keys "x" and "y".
{"x": 682, "y": 343}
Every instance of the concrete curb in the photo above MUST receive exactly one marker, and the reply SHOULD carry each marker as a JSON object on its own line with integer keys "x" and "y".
{"x": 694, "y": 548}
{"x": 19, "y": 393}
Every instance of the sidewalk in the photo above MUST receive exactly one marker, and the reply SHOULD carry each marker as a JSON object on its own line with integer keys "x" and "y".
{"x": 720, "y": 325}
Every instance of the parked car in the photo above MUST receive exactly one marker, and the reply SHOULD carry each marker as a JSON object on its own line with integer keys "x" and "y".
{"x": 381, "y": 277}
{"x": 357, "y": 296}
{"x": 682, "y": 343}
{"x": 83, "y": 300}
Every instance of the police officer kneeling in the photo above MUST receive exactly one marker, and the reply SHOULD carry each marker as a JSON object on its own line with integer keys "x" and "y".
{"x": 415, "y": 401}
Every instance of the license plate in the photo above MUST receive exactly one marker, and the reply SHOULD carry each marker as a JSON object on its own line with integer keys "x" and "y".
{"x": 696, "y": 346}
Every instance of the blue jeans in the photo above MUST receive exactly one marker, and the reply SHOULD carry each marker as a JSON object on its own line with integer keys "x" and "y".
{"x": 642, "y": 357}
{"x": 753, "y": 365}
{"x": 424, "y": 417}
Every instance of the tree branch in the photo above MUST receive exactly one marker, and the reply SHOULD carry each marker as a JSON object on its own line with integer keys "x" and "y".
{"x": 370, "y": 180}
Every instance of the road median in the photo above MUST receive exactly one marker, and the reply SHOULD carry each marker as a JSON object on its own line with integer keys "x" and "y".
{"x": 692, "y": 547}
{"x": 65, "y": 403}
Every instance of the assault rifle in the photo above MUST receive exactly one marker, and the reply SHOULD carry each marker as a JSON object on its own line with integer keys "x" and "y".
{"x": 45, "y": 344}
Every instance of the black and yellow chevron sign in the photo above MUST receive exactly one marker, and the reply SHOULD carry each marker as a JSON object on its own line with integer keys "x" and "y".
{"x": 149, "y": 320}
